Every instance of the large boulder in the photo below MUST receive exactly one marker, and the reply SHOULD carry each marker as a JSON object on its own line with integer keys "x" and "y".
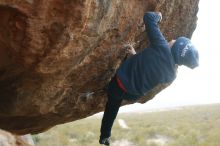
{"x": 57, "y": 56}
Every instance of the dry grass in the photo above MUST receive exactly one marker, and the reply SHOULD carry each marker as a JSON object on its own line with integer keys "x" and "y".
{"x": 189, "y": 126}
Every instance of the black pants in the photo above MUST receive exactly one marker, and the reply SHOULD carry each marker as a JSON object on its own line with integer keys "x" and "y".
{"x": 115, "y": 97}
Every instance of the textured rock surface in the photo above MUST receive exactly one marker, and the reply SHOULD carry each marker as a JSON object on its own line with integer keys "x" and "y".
{"x": 57, "y": 56}
{"x": 7, "y": 139}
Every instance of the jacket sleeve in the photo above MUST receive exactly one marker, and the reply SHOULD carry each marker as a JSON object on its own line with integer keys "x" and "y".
{"x": 156, "y": 38}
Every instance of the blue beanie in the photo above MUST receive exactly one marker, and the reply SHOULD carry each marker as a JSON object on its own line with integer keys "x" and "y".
{"x": 185, "y": 53}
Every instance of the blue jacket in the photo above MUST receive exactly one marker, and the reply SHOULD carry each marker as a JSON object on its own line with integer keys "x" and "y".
{"x": 154, "y": 65}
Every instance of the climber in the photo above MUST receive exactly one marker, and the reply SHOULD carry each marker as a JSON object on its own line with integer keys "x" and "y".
{"x": 143, "y": 71}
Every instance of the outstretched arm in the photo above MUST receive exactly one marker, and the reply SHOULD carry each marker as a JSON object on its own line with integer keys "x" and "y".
{"x": 151, "y": 20}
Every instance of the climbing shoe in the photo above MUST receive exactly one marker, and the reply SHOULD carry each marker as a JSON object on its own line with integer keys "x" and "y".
{"x": 104, "y": 141}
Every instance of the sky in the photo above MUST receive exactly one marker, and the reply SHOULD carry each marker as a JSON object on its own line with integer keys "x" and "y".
{"x": 201, "y": 85}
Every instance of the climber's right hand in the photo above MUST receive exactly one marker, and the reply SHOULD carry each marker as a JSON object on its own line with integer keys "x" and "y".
{"x": 160, "y": 14}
